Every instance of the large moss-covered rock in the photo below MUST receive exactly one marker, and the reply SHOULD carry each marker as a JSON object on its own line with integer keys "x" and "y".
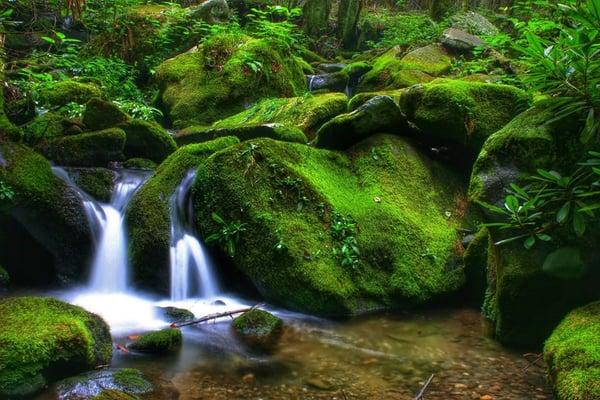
{"x": 148, "y": 218}
{"x": 163, "y": 341}
{"x": 69, "y": 91}
{"x": 395, "y": 70}
{"x": 60, "y": 340}
{"x": 361, "y": 98}
{"x": 48, "y": 126}
{"x": 100, "y": 114}
{"x": 523, "y": 302}
{"x": 572, "y": 354}
{"x": 299, "y": 205}
{"x": 461, "y": 112}
{"x": 243, "y": 132}
{"x": 308, "y": 112}
{"x": 258, "y": 329}
{"x": 90, "y": 149}
{"x": 221, "y": 76}
{"x": 380, "y": 114}
{"x": 97, "y": 182}
{"x": 45, "y": 211}
{"x": 147, "y": 140}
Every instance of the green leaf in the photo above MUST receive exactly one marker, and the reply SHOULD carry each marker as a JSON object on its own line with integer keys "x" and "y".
{"x": 564, "y": 263}
{"x": 217, "y": 218}
{"x": 578, "y": 224}
{"x": 512, "y": 203}
{"x": 544, "y": 237}
{"x": 529, "y": 242}
{"x": 563, "y": 213}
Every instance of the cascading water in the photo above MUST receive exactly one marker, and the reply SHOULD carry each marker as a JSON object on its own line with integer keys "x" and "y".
{"x": 191, "y": 270}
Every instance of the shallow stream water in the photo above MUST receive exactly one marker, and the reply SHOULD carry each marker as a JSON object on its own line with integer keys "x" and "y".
{"x": 376, "y": 357}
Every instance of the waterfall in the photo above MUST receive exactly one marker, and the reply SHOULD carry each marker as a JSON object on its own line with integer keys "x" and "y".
{"x": 191, "y": 270}
{"x": 311, "y": 79}
{"x": 110, "y": 266}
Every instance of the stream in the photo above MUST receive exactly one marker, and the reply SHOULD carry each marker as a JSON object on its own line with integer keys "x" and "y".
{"x": 385, "y": 356}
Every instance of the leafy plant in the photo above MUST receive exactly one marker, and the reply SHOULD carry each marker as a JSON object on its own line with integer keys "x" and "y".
{"x": 228, "y": 235}
{"x": 344, "y": 230}
{"x": 531, "y": 213}
{"x": 275, "y": 24}
{"x": 567, "y": 68}
{"x": 6, "y": 192}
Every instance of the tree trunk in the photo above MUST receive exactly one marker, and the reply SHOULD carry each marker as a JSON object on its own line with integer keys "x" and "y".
{"x": 348, "y": 16}
{"x": 316, "y": 16}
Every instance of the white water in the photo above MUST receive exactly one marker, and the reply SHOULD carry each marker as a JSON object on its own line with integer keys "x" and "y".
{"x": 108, "y": 292}
{"x": 191, "y": 269}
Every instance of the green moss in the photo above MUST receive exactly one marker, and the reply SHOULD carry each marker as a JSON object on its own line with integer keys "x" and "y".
{"x": 97, "y": 182}
{"x": 47, "y": 126}
{"x": 49, "y": 210}
{"x": 308, "y": 112}
{"x": 174, "y": 314}
{"x": 140, "y": 163}
{"x": 572, "y": 354}
{"x": 100, "y": 114}
{"x": 461, "y": 112}
{"x": 258, "y": 329}
{"x": 4, "y": 278}
{"x": 361, "y": 98}
{"x": 394, "y": 70}
{"x": 61, "y": 340}
{"x": 88, "y": 149}
{"x": 475, "y": 260}
{"x": 69, "y": 91}
{"x": 377, "y": 115}
{"x": 163, "y": 341}
{"x": 148, "y": 218}
{"x": 131, "y": 380}
{"x": 7, "y": 129}
{"x": 242, "y": 132}
{"x": 147, "y": 140}
{"x": 214, "y": 82}
{"x": 287, "y": 196}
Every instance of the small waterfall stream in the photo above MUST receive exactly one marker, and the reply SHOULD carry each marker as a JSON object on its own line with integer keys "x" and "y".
{"x": 191, "y": 270}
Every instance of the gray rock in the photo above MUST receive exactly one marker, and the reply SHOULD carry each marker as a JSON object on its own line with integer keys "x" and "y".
{"x": 333, "y": 82}
{"x": 212, "y": 11}
{"x": 458, "y": 41}
{"x": 473, "y": 23}
{"x": 85, "y": 386}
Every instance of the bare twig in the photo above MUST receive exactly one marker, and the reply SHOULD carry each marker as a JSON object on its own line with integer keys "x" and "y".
{"x": 532, "y": 363}
{"x": 419, "y": 395}
{"x": 215, "y": 316}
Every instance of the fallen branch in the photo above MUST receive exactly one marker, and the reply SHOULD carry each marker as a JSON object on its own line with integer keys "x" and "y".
{"x": 419, "y": 395}
{"x": 215, "y": 316}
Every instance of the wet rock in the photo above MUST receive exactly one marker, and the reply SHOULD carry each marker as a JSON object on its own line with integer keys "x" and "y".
{"x": 333, "y": 82}
{"x": 174, "y": 314}
{"x": 218, "y": 303}
{"x": 97, "y": 182}
{"x": 100, "y": 114}
{"x": 126, "y": 381}
{"x": 242, "y": 132}
{"x": 60, "y": 340}
{"x": 212, "y": 11}
{"x": 319, "y": 382}
{"x": 259, "y": 330}
{"x": 163, "y": 341}
{"x": 148, "y": 140}
{"x": 379, "y": 114}
{"x": 460, "y": 42}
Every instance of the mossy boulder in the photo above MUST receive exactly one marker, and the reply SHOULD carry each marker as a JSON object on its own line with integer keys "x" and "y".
{"x": 90, "y": 149}
{"x": 140, "y": 163}
{"x": 331, "y": 82}
{"x": 174, "y": 314}
{"x": 258, "y": 329}
{"x": 217, "y": 79}
{"x": 127, "y": 381}
{"x": 572, "y": 354}
{"x": 148, "y": 217}
{"x": 474, "y": 23}
{"x": 523, "y": 302}
{"x": 361, "y": 98}
{"x": 60, "y": 340}
{"x": 70, "y": 91}
{"x": 163, "y": 341}
{"x": 148, "y": 140}
{"x": 7, "y": 129}
{"x": 242, "y": 132}
{"x": 308, "y": 112}
{"x": 378, "y": 115}
{"x": 100, "y": 114}
{"x": 460, "y": 112}
{"x": 97, "y": 182}
{"x": 395, "y": 69}
{"x": 48, "y": 213}
{"x": 49, "y": 126}
{"x": 299, "y": 205}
